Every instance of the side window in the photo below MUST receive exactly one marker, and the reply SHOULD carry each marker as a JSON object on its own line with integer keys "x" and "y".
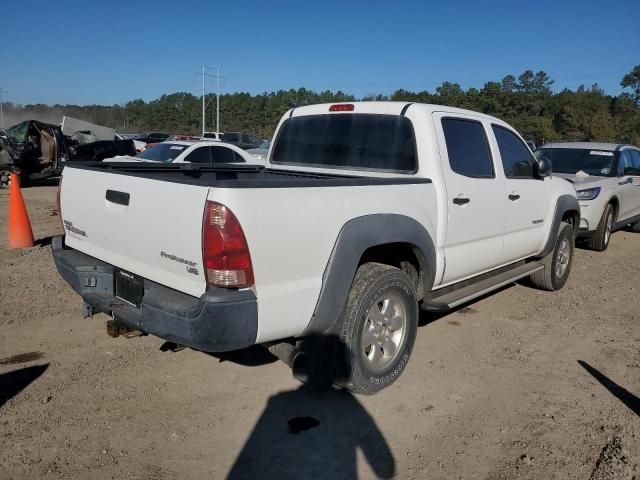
{"x": 635, "y": 158}
{"x": 624, "y": 161}
{"x": 246, "y": 138}
{"x": 516, "y": 157}
{"x": 468, "y": 148}
{"x": 199, "y": 155}
{"x": 223, "y": 155}
{"x": 238, "y": 158}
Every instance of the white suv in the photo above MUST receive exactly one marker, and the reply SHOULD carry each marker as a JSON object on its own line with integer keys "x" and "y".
{"x": 606, "y": 177}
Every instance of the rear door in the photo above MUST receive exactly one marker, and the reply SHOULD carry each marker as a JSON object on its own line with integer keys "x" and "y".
{"x": 148, "y": 227}
{"x": 626, "y": 187}
{"x": 528, "y": 199}
{"x": 634, "y": 197}
{"x": 475, "y": 197}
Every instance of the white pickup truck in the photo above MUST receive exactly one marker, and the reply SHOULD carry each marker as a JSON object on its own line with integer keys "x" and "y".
{"x": 365, "y": 213}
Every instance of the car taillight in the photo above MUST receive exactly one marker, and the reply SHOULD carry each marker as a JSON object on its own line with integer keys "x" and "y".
{"x": 225, "y": 253}
{"x": 341, "y": 107}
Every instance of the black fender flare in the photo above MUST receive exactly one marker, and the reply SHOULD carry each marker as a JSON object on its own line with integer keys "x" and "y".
{"x": 355, "y": 237}
{"x": 565, "y": 203}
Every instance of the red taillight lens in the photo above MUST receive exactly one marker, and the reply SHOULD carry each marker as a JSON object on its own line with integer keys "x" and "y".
{"x": 341, "y": 107}
{"x": 225, "y": 253}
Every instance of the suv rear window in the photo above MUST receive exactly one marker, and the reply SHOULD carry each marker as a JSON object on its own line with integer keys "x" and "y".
{"x": 351, "y": 141}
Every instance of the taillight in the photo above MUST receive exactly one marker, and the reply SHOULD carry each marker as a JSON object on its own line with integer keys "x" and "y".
{"x": 225, "y": 253}
{"x": 341, "y": 107}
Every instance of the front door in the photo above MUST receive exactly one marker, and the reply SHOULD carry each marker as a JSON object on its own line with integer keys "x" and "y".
{"x": 475, "y": 197}
{"x": 528, "y": 199}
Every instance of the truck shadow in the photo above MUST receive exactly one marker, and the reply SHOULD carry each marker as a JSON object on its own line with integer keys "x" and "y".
{"x": 12, "y": 383}
{"x": 625, "y": 396}
{"x": 313, "y": 433}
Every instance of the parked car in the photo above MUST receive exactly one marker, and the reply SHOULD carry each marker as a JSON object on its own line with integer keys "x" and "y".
{"x": 212, "y": 136}
{"x": 152, "y": 137}
{"x": 607, "y": 177}
{"x": 242, "y": 139}
{"x": 35, "y": 150}
{"x": 202, "y": 152}
{"x": 366, "y": 213}
{"x": 261, "y": 152}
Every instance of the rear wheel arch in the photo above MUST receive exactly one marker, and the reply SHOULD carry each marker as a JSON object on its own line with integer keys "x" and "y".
{"x": 396, "y": 240}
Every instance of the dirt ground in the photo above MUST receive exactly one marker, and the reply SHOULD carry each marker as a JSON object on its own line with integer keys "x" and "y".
{"x": 521, "y": 384}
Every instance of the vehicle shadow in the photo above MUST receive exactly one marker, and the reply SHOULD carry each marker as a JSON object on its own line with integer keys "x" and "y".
{"x": 625, "y": 396}
{"x": 12, "y": 383}
{"x": 313, "y": 433}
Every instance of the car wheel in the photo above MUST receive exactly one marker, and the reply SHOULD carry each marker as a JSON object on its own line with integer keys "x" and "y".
{"x": 600, "y": 240}
{"x": 557, "y": 264}
{"x": 379, "y": 329}
{"x": 635, "y": 227}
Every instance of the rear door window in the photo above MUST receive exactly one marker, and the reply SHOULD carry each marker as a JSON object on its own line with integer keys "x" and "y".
{"x": 517, "y": 160}
{"x": 200, "y": 155}
{"x": 349, "y": 141}
{"x": 225, "y": 155}
{"x": 467, "y": 147}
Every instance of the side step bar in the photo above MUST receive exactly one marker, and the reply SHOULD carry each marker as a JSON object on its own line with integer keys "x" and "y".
{"x": 450, "y": 299}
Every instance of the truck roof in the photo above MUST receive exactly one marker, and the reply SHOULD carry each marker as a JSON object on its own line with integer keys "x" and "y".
{"x": 388, "y": 108}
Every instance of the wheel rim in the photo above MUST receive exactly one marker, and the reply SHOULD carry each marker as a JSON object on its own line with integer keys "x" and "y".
{"x": 563, "y": 258}
{"x": 607, "y": 229}
{"x": 384, "y": 331}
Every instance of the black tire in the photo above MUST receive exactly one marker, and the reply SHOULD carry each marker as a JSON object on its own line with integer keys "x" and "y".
{"x": 635, "y": 227}
{"x": 600, "y": 240}
{"x": 549, "y": 278}
{"x": 385, "y": 288}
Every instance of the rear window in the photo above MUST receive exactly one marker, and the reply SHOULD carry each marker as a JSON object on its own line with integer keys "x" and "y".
{"x": 350, "y": 141}
{"x": 163, "y": 152}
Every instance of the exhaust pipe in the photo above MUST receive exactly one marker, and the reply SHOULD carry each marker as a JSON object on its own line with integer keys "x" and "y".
{"x": 292, "y": 357}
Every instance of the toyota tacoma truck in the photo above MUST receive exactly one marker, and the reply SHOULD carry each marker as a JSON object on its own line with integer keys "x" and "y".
{"x": 606, "y": 177}
{"x": 365, "y": 214}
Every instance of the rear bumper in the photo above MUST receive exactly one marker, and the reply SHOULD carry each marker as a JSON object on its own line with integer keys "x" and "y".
{"x": 220, "y": 320}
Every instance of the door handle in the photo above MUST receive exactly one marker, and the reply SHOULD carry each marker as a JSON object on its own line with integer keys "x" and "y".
{"x": 461, "y": 200}
{"x": 628, "y": 180}
{"x": 514, "y": 196}
{"x": 114, "y": 196}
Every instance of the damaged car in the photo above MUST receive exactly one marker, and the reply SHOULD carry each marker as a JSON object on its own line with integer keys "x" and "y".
{"x": 35, "y": 150}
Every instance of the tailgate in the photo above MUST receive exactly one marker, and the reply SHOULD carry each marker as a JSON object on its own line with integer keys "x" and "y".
{"x": 148, "y": 227}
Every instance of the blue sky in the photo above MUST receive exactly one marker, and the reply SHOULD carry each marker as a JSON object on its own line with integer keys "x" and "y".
{"x": 112, "y": 52}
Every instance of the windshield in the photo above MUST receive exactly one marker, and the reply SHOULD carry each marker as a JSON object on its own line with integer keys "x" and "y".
{"x": 350, "y": 141}
{"x": 265, "y": 145}
{"x": 163, "y": 152}
{"x": 573, "y": 160}
{"x": 18, "y": 132}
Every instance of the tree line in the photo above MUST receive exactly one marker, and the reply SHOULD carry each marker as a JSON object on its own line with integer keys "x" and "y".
{"x": 527, "y": 102}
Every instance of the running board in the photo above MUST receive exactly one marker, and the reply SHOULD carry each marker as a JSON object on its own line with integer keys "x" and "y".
{"x": 451, "y": 299}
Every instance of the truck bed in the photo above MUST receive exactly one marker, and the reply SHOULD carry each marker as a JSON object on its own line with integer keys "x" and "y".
{"x": 240, "y": 176}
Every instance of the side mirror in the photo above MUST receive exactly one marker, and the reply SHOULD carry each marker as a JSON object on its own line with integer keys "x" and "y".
{"x": 632, "y": 171}
{"x": 542, "y": 169}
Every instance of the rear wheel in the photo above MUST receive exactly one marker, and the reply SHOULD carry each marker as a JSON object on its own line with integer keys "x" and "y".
{"x": 557, "y": 264}
{"x": 600, "y": 240}
{"x": 379, "y": 329}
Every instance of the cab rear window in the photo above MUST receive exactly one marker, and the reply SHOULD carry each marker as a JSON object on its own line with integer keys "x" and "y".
{"x": 349, "y": 141}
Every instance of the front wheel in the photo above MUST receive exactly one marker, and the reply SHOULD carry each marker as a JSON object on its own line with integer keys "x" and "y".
{"x": 557, "y": 264}
{"x": 600, "y": 240}
{"x": 379, "y": 329}
{"x": 635, "y": 227}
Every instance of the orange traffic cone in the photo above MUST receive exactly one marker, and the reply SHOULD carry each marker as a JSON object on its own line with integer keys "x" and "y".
{"x": 20, "y": 233}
